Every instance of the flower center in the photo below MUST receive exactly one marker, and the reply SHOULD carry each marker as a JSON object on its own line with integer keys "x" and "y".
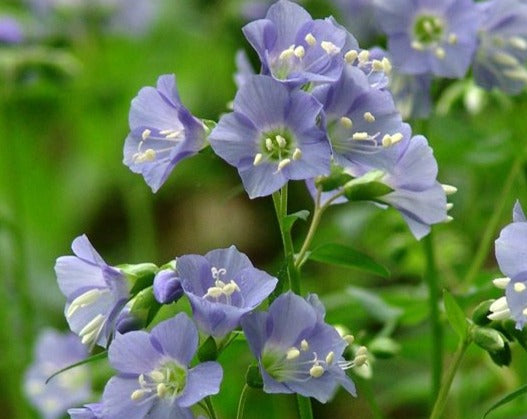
{"x": 428, "y": 29}
{"x": 222, "y": 290}
{"x": 277, "y": 146}
{"x": 165, "y": 382}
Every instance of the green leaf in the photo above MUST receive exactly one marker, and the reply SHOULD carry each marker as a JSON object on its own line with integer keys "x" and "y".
{"x": 510, "y": 397}
{"x": 335, "y": 180}
{"x": 340, "y": 255}
{"x": 456, "y": 316}
{"x": 208, "y": 351}
{"x": 289, "y": 220}
{"x": 366, "y": 191}
{"x": 93, "y": 358}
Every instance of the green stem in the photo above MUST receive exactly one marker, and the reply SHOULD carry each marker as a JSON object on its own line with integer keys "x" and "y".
{"x": 315, "y": 221}
{"x": 490, "y": 231}
{"x": 210, "y": 408}
{"x": 304, "y": 407}
{"x": 365, "y": 389}
{"x": 432, "y": 281}
{"x": 280, "y": 205}
{"x": 441, "y": 400}
{"x": 241, "y": 403}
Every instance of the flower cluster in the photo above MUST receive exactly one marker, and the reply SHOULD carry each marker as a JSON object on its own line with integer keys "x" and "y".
{"x": 444, "y": 38}
{"x": 319, "y": 111}
{"x": 320, "y": 103}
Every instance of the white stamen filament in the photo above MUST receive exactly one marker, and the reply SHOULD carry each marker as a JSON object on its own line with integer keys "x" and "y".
{"x": 292, "y": 353}
{"x": 283, "y": 163}
{"x": 258, "y": 159}
{"x": 83, "y": 300}
{"x": 310, "y": 39}
{"x": 146, "y": 133}
{"x": 440, "y": 53}
{"x": 418, "y": 46}
{"x": 346, "y": 122}
{"x": 368, "y": 117}
{"x": 519, "y": 287}
{"x": 316, "y": 371}
{"x": 364, "y": 56}
{"x": 351, "y": 56}
{"x": 360, "y": 136}
{"x": 299, "y": 51}
{"x": 281, "y": 141}
{"x": 449, "y": 189}
{"x": 518, "y": 42}
{"x": 297, "y": 154}
{"x": 501, "y": 282}
{"x": 329, "y": 47}
{"x": 287, "y": 53}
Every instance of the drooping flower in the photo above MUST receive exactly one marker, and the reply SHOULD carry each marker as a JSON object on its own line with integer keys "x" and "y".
{"x": 95, "y": 292}
{"x": 154, "y": 379}
{"x": 10, "y": 31}
{"x": 360, "y": 120}
{"x": 162, "y": 132}
{"x": 296, "y": 350}
{"x": 272, "y": 136}
{"x": 430, "y": 36}
{"x": 167, "y": 286}
{"x": 53, "y": 352}
{"x": 222, "y": 286}
{"x": 502, "y": 52}
{"x": 511, "y": 253}
{"x": 88, "y": 411}
{"x": 294, "y": 48}
{"x": 409, "y": 169}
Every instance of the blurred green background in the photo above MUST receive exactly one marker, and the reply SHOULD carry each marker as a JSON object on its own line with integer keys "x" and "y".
{"x": 62, "y": 128}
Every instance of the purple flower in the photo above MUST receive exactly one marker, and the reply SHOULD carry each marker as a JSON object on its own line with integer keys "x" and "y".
{"x": 154, "y": 379}
{"x": 430, "y": 36}
{"x": 53, "y": 352}
{"x": 294, "y": 48}
{"x": 96, "y": 292}
{"x": 297, "y": 351}
{"x": 360, "y": 120}
{"x": 10, "y": 31}
{"x": 502, "y": 51}
{"x": 88, "y": 411}
{"x": 511, "y": 253}
{"x": 167, "y": 286}
{"x": 272, "y": 136}
{"x": 222, "y": 286}
{"x": 162, "y": 132}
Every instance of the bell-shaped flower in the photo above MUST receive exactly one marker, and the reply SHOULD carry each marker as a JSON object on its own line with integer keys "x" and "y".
{"x": 95, "y": 292}
{"x": 272, "y": 136}
{"x": 430, "y": 36}
{"x": 53, "y": 352}
{"x": 360, "y": 120}
{"x": 222, "y": 286}
{"x": 294, "y": 48}
{"x": 167, "y": 286}
{"x": 154, "y": 379}
{"x": 502, "y": 52}
{"x": 511, "y": 253}
{"x": 162, "y": 132}
{"x": 297, "y": 351}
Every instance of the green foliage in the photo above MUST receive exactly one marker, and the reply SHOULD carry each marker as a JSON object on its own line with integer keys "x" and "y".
{"x": 455, "y": 315}
{"x": 336, "y": 254}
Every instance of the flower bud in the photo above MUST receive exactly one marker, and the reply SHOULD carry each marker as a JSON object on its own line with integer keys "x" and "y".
{"x": 167, "y": 287}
